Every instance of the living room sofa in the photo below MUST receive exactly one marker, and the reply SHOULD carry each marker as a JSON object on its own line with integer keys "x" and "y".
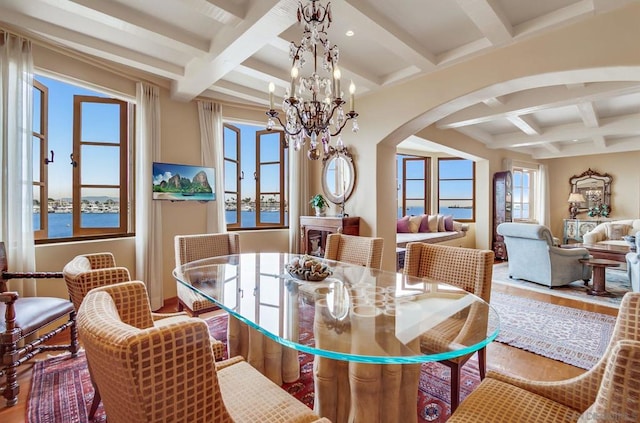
{"x": 612, "y": 232}
{"x": 430, "y": 229}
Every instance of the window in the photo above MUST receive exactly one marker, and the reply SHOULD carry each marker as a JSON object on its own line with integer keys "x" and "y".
{"x": 456, "y": 188}
{"x": 524, "y": 193}
{"x": 81, "y": 162}
{"x": 255, "y": 182}
{"x": 413, "y": 190}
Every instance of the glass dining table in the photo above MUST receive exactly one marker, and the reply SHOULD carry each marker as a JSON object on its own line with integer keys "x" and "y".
{"x": 368, "y": 329}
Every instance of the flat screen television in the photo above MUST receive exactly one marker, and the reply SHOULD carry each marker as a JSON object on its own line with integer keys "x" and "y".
{"x": 180, "y": 182}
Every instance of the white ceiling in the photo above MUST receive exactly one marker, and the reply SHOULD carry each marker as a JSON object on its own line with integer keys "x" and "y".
{"x": 230, "y": 50}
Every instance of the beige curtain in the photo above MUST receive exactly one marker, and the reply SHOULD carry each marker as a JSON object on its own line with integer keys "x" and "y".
{"x": 149, "y": 265}
{"x": 16, "y": 155}
{"x": 212, "y": 151}
{"x": 298, "y": 194}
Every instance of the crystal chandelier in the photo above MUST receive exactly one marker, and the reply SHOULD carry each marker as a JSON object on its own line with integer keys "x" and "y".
{"x": 313, "y": 105}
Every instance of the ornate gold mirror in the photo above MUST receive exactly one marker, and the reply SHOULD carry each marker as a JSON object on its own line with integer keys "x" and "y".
{"x": 595, "y": 189}
{"x": 338, "y": 175}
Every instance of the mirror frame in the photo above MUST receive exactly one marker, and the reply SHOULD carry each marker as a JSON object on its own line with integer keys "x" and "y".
{"x": 587, "y": 175}
{"x": 326, "y": 160}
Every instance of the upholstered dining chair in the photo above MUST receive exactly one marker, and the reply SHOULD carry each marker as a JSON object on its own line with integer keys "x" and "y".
{"x": 467, "y": 268}
{"x": 607, "y": 392}
{"x": 87, "y": 271}
{"x": 167, "y": 373}
{"x": 361, "y": 250}
{"x": 333, "y": 387}
{"x": 278, "y": 363}
{"x": 26, "y": 323}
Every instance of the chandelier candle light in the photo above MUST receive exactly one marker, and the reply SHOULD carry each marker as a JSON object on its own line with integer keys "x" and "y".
{"x": 308, "y": 114}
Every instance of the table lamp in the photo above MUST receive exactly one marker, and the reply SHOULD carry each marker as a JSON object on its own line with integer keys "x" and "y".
{"x": 574, "y": 199}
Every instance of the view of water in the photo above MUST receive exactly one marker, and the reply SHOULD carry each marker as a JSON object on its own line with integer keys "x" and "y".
{"x": 456, "y": 212}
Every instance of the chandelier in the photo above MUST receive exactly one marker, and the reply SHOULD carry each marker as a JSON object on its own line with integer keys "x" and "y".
{"x": 313, "y": 105}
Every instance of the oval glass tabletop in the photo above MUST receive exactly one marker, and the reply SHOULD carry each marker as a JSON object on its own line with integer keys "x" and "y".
{"x": 356, "y": 314}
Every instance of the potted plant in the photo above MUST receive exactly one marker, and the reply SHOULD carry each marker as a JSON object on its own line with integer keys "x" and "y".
{"x": 319, "y": 203}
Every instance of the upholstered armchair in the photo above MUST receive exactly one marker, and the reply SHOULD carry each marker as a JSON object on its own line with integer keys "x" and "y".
{"x": 26, "y": 324}
{"x": 148, "y": 373}
{"x": 534, "y": 257}
{"x": 608, "y": 392}
{"x": 633, "y": 266}
{"x": 467, "y": 268}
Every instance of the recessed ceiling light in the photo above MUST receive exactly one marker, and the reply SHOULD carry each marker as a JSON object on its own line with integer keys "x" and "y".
{"x": 349, "y": 33}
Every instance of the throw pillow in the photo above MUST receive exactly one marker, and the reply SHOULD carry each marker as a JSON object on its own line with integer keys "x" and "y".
{"x": 441, "y": 223}
{"x": 448, "y": 223}
{"x": 616, "y": 231}
{"x": 424, "y": 225}
{"x": 403, "y": 225}
{"x": 414, "y": 223}
{"x": 433, "y": 223}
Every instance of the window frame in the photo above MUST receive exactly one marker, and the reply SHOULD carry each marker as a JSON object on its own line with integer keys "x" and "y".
{"x": 126, "y": 201}
{"x": 426, "y": 201}
{"x": 533, "y": 192}
{"x": 473, "y": 187}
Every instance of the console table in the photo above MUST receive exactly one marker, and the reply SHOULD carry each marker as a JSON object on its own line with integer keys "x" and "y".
{"x": 314, "y": 231}
{"x": 574, "y": 229}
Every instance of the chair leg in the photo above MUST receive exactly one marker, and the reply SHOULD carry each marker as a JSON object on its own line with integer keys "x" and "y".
{"x": 96, "y": 401}
{"x": 455, "y": 385}
{"x": 482, "y": 362}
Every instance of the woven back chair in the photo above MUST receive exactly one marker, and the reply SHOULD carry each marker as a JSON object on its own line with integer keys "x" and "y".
{"x": 167, "y": 373}
{"x": 360, "y": 250}
{"x": 466, "y": 268}
{"x": 26, "y": 324}
{"x": 607, "y": 392}
{"x": 279, "y": 363}
{"x": 197, "y": 247}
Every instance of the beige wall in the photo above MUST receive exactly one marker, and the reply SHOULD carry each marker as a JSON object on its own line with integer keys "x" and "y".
{"x": 386, "y": 118}
{"x": 625, "y": 188}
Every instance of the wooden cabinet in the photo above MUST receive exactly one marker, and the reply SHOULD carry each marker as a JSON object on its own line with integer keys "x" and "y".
{"x": 314, "y": 231}
{"x": 574, "y": 229}
{"x": 502, "y": 208}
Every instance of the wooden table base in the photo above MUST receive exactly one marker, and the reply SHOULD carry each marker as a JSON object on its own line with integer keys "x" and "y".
{"x": 598, "y": 281}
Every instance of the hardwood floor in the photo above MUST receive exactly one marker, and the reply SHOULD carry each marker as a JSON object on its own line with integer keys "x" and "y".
{"x": 499, "y": 356}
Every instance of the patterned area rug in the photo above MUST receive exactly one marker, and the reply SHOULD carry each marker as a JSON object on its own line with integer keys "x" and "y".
{"x": 61, "y": 390}
{"x": 617, "y": 283}
{"x": 570, "y": 335}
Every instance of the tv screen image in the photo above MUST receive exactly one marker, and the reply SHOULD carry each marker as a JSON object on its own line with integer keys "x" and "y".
{"x": 180, "y": 182}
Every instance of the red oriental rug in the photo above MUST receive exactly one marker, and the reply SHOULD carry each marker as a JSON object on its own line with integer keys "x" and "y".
{"x": 61, "y": 390}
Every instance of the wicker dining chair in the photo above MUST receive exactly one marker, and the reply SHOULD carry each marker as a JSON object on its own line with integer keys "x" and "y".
{"x": 167, "y": 373}
{"x": 466, "y": 268}
{"x": 360, "y": 250}
{"x": 278, "y": 363}
{"x": 87, "y": 271}
{"x": 608, "y": 392}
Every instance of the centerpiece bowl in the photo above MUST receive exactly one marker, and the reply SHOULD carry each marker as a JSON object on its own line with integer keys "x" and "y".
{"x": 308, "y": 268}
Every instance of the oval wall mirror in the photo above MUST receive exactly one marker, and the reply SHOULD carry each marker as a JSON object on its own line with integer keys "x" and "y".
{"x": 338, "y": 175}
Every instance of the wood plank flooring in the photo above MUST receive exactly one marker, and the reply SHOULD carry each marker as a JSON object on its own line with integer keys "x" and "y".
{"x": 499, "y": 356}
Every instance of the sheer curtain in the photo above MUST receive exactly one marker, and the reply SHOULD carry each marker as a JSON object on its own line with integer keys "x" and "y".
{"x": 212, "y": 150}
{"x": 298, "y": 195}
{"x": 16, "y": 155}
{"x": 544, "y": 208}
{"x": 148, "y": 213}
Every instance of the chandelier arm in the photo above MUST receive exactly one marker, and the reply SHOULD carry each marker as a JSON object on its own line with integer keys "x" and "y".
{"x": 350, "y": 115}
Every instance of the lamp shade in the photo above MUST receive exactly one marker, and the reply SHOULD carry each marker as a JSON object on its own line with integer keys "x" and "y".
{"x": 576, "y": 197}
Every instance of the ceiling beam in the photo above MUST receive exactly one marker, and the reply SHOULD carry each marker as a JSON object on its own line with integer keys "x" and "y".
{"x": 588, "y": 114}
{"x": 525, "y": 102}
{"x": 490, "y": 20}
{"x": 526, "y": 124}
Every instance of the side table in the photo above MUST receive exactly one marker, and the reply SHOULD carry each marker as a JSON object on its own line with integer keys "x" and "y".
{"x": 598, "y": 280}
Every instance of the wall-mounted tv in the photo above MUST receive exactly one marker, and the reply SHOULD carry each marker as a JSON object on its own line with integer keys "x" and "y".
{"x": 179, "y": 182}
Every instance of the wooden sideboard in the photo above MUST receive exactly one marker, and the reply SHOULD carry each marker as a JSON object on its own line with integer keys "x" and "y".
{"x": 574, "y": 229}
{"x": 314, "y": 231}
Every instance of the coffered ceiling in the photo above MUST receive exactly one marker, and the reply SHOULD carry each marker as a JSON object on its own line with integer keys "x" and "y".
{"x": 230, "y": 50}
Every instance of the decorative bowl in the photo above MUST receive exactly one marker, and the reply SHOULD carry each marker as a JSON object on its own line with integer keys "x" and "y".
{"x": 308, "y": 268}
